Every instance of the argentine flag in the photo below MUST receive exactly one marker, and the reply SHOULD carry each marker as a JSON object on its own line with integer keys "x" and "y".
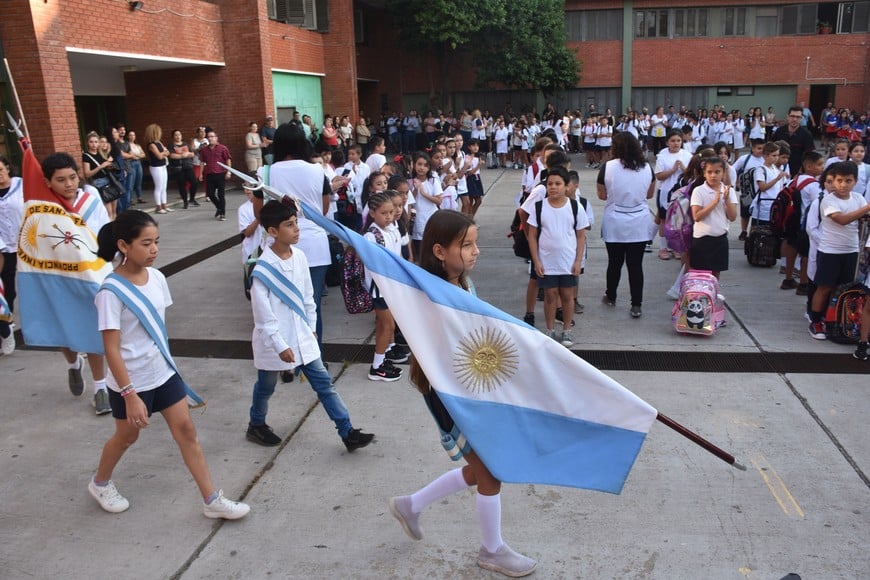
{"x": 531, "y": 409}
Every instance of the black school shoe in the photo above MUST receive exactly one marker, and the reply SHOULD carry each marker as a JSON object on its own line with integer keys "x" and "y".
{"x": 262, "y": 435}
{"x": 287, "y": 376}
{"x": 398, "y": 354}
{"x": 356, "y": 439}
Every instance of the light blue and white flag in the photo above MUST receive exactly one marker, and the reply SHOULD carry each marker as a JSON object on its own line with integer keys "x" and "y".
{"x": 531, "y": 409}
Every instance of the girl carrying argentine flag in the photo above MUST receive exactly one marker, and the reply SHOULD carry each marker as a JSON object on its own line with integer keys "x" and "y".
{"x": 449, "y": 250}
{"x": 142, "y": 376}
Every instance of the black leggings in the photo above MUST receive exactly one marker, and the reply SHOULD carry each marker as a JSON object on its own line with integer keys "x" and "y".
{"x": 630, "y": 254}
{"x": 186, "y": 182}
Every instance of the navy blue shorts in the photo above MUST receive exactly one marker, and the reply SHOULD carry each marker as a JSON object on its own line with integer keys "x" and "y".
{"x": 155, "y": 400}
{"x": 835, "y": 269}
{"x": 379, "y": 304}
{"x": 557, "y": 281}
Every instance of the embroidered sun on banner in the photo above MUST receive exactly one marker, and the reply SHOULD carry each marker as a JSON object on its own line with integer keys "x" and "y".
{"x": 485, "y": 359}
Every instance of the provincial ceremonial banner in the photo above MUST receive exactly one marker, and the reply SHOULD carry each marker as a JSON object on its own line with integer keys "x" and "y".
{"x": 59, "y": 272}
{"x": 530, "y": 408}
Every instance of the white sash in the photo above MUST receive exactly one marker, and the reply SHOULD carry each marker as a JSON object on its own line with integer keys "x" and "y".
{"x": 281, "y": 287}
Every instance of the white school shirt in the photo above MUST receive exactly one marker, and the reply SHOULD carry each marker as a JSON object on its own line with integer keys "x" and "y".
{"x": 392, "y": 242}
{"x": 739, "y": 128}
{"x": 605, "y": 136}
{"x": 448, "y": 194}
{"x": 11, "y": 215}
{"x": 501, "y": 140}
{"x": 836, "y": 238}
{"x": 716, "y": 222}
{"x": 834, "y": 159}
{"x": 276, "y": 326}
{"x": 425, "y": 208}
{"x": 557, "y": 242}
{"x": 246, "y": 218}
{"x": 763, "y": 200}
{"x": 756, "y": 131}
{"x": 814, "y": 231}
{"x": 358, "y": 175}
{"x": 861, "y": 184}
{"x": 589, "y": 133}
{"x": 146, "y": 366}
{"x": 665, "y": 161}
{"x": 809, "y": 192}
{"x": 658, "y": 126}
{"x": 304, "y": 180}
{"x": 462, "y": 182}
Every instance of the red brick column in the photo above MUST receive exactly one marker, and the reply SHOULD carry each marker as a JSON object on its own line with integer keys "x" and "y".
{"x": 339, "y": 61}
{"x": 33, "y": 39}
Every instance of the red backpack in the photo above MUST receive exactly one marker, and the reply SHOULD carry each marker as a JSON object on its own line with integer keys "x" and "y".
{"x": 786, "y": 208}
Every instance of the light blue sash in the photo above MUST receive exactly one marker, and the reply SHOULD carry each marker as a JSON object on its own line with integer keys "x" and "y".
{"x": 139, "y": 305}
{"x": 281, "y": 287}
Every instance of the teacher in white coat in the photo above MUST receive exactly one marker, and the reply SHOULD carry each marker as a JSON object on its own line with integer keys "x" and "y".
{"x": 625, "y": 183}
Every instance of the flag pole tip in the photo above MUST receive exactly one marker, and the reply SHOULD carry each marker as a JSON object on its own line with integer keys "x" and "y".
{"x": 739, "y": 466}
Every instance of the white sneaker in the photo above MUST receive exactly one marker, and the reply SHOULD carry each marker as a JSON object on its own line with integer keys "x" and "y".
{"x": 225, "y": 508}
{"x": 108, "y": 497}
{"x": 7, "y": 345}
{"x": 506, "y": 561}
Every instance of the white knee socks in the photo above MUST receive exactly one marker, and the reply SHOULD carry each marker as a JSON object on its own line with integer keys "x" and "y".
{"x": 444, "y": 485}
{"x": 489, "y": 515}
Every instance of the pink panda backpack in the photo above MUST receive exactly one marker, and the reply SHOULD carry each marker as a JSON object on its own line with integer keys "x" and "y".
{"x": 679, "y": 224}
{"x": 700, "y": 309}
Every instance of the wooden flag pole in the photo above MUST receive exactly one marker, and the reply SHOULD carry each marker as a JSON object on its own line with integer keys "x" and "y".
{"x": 695, "y": 438}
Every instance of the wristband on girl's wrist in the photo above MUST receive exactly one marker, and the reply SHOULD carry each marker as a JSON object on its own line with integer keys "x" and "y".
{"x": 128, "y": 390}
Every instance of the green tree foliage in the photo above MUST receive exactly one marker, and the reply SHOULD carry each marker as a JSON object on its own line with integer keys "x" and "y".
{"x": 515, "y": 43}
{"x": 529, "y": 51}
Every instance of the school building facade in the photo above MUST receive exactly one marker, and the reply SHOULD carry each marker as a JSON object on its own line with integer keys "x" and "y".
{"x": 81, "y": 65}
{"x": 85, "y": 64}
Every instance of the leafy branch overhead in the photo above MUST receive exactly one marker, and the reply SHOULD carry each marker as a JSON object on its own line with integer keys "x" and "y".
{"x": 515, "y": 43}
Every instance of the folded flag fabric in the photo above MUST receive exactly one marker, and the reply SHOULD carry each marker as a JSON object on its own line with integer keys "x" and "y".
{"x": 531, "y": 409}
{"x": 59, "y": 272}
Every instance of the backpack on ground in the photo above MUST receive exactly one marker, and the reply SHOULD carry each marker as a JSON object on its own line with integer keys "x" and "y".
{"x": 700, "y": 309}
{"x": 785, "y": 211}
{"x": 357, "y": 297}
{"x": 843, "y": 317}
{"x": 761, "y": 246}
{"x": 679, "y": 223}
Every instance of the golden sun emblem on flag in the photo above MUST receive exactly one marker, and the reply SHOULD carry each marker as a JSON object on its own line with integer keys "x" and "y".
{"x": 485, "y": 359}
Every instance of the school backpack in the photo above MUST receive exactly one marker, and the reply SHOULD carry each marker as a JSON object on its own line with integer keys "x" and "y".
{"x": 346, "y": 212}
{"x": 761, "y": 246}
{"x": 786, "y": 208}
{"x": 336, "y": 254}
{"x": 679, "y": 223}
{"x": 843, "y": 316}
{"x": 539, "y": 205}
{"x": 520, "y": 242}
{"x": 357, "y": 297}
{"x": 746, "y": 183}
{"x": 700, "y": 309}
